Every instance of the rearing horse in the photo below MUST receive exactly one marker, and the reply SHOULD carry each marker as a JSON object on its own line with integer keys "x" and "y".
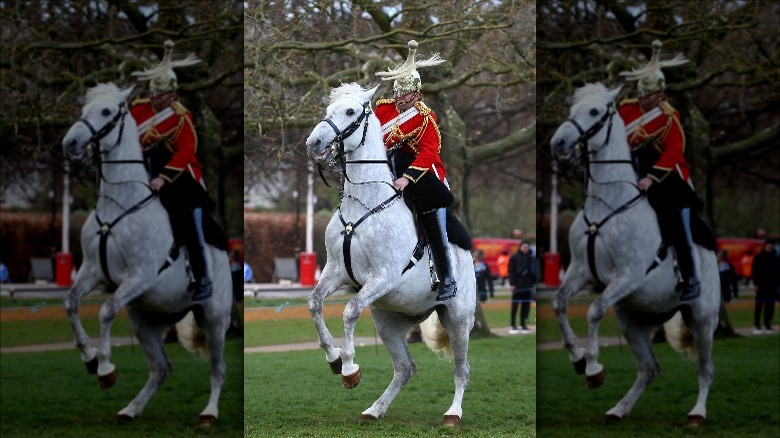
{"x": 370, "y": 241}
{"x": 126, "y": 241}
{"x": 613, "y": 243}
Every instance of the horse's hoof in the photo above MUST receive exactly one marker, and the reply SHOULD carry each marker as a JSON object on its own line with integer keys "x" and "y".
{"x": 579, "y": 366}
{"x": 695, "y": 420}
{"x": 368, "y": 417}
{"x": 335, "y": 366}
{"x": 351, "y": 381}
{"x": 108, "y": 380}
{"x": 92, "y": 365}
{"x": 451, "y": 421}
{"x": 612, "y": 418}
{"x": 123, "y": 418}
{"x": 595, "y": 380}
{"x": 207, "y": 420}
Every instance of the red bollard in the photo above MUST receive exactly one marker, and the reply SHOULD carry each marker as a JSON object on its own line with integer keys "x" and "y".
{"x": 552, "y": 267}
{"x": 64, "y": 266}
{"x": 307, "y": 267}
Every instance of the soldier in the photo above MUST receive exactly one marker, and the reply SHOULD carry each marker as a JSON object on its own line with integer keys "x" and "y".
{"x": 169, "y": 145}
{"x": 657, "y": 144}
{"x": 413, "y": 140}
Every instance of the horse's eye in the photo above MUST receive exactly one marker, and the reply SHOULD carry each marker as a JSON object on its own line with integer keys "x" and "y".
{"x": 350, "y": 112}
{"x": 594, "y": 112}
{"x": 106, "y": 112}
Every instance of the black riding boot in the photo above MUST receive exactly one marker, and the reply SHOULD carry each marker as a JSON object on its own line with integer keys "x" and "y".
{"x": 684, "y": 247}
{"x": 435, "y": 225}
{"x": 196, "y": 248}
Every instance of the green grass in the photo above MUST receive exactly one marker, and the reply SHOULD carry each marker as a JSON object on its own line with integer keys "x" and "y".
{"x": 284, "y": 331}
{"x": 744, "y": 400}
{"x": 295, "y": 395}
{"x": 51, "y": 395}
{"x": 44, "y": 331}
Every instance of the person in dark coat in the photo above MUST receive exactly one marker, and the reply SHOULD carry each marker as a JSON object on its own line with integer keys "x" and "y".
{"x": 766, "y": 278}
{"x": 728, "y": 278}
{"x": 522, "y": 277}
{"x": 484, "y": 276}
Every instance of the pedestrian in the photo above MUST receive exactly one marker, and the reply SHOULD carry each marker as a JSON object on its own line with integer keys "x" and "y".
{"x": 728, "y": 278}
{"x": 170, "y": 144}
{"x": 747, "y": 266}
{"x": 413, "y": 141}
{"x": 657, "y": 143}
{"x": 766, "y": 278}
{"x": 484, "y": 276}
{"x": 503, "y": 267}
{"x": 522, "y": 277}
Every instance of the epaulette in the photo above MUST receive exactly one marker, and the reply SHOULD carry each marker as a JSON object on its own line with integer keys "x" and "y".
{"x": 140, "y": 101}
{"x": 178, "y": 108}
{"x": 422, "y": 108}
{"x": 628, "y": 101}
{"x": 385, "y": 101}
{"x": 666, "y": 108}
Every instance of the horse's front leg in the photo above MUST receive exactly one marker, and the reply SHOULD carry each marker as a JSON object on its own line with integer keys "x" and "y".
{"x": 85, "y": 282}
{"x": 614, "y": 292}
{"x": 329, "y": 282}
{"x": 573, "y": 282}
{"x": 370, "y": 292}
{"x": 126, "y": 292}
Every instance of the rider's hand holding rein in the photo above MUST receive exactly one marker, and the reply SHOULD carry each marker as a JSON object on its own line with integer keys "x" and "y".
{"x": 644, "y": 184}
{"x": 401, "y": 183}
{"x": 156, "y": 184}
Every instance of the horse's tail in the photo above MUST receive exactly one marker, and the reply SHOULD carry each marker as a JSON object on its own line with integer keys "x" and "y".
{"x": 436, "y": 337}
{"x": 679, "y": 335}
{"x": 191, "y": 336}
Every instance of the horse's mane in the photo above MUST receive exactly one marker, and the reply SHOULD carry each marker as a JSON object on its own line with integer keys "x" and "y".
{"x": 346, "y": 90}
{"x": 101, "y": 89}
{"x": 586, "y": 90}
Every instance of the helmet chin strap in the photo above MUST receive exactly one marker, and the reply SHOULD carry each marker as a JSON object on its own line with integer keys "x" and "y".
{"x": 405, "y": 102}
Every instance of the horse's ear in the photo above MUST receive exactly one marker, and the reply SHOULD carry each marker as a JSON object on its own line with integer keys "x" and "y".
{"x": 369, "y": 93}
{"x": 126, "y": 92}
{"x": 613, "y": 93}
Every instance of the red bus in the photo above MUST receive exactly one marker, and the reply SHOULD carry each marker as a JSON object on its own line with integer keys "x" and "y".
{"x": 737, "y": 247}
{"x": 493, "y": 247}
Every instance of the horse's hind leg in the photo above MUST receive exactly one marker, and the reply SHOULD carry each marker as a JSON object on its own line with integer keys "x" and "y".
{"x": 392, "y": 328}
{"x": 84, "y": 284}
{"x": 150, "y": 337}
{"x": 215, "y": 338}
{"x": 638, "y": 336}
{"x": 703, "y": 331}
{"x": 328, "y": 284}
{"x": 458, "y": 328}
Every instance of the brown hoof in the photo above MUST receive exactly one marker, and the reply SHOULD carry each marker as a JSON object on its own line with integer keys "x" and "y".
{"x": 207, "y": 420}
{"x": 351, "y": 381}
{"x": 368, "y": 417}
{"x": 612, "y": 418}
{"x": 695, "y": 420}
{"x": 108, "y": 380}
{"x": 451, "y": 420}
{"x": 123, "y": 418}
{"x": 92, "y": 365}
{"x": 335, "y": 366}
{"x": 579, "y": 366}
{"x": 595, "y": 381}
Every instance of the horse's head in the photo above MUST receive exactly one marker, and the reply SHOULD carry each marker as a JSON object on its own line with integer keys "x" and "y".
{"x": 106, "y": 108}
{"x": 349, "y": 110}
{"x": 583, "y": 132}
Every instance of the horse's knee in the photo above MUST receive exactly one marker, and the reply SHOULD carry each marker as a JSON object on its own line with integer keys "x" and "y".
{"x": 351, "y": 312}
{"x": 595, "y": 312}
{"x": 107, "y": 312}
{"x": 315, "y": 306}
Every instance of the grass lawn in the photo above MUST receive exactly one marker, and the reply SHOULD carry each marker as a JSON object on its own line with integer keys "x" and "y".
{"x": 294, "y": 394}
{"x": 744, "y": 399}
{"x": 51, "y": 395}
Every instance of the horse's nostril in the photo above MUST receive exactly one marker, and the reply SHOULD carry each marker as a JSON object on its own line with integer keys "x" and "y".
{"x": 73, "y": 142}
{"x": 318, "y": 142}
{"x": 561, "y": 143}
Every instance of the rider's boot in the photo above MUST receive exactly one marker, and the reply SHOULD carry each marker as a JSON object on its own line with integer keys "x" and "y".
{"x": 434, "y": 222}
{"x": 196, "y": 248}
{"x": 684, "y": 247}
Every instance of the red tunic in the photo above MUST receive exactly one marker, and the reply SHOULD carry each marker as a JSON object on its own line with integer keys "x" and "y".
{"x": 666, "y": 135}
{"x": 177, "y": 133}
{"x": 423, "y": 134}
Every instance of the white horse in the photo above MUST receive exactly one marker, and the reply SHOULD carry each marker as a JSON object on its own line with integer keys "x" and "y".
{"x": 613, "y": 241}
{"x": 382, "y": 233}
{"x": 126, "y": 241}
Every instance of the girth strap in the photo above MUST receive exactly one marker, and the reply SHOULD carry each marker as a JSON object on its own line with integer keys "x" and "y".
{"x": 349, "y": 229}
{"x": 593, "y": 231}
{"x": 105, "y": 231}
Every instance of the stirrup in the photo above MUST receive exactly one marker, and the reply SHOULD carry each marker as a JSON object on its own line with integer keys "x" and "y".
{"x": 447, "y": 291}
{"x": 203, "y": 290}
{"x": 691, "y": 290}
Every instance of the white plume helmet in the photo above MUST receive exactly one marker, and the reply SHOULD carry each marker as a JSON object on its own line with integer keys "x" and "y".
{"x": 650, "y": 77}
{"x": 162, "y": 78}
{"x": 405, "y": 76}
